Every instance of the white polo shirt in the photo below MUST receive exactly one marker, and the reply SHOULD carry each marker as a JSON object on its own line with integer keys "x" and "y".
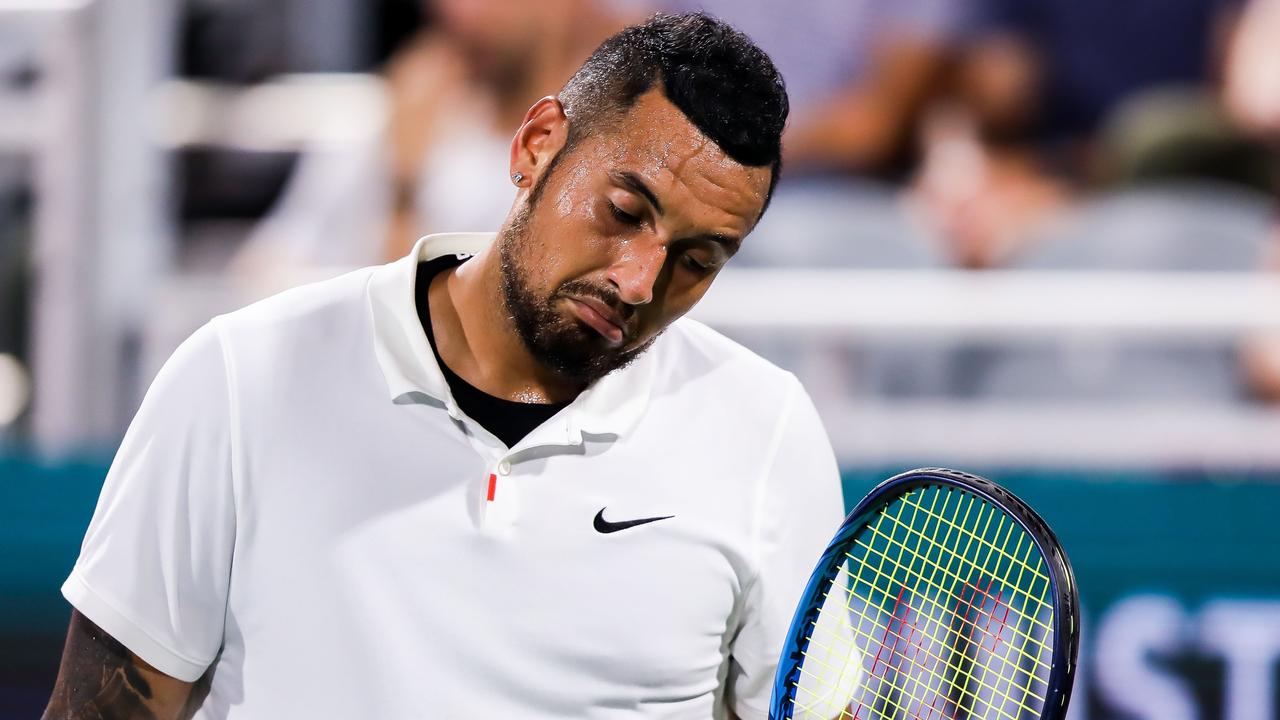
{"x": 301, "y": 508}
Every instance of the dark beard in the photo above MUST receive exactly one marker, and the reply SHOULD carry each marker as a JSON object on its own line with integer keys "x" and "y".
{"x": 566, "y": 346}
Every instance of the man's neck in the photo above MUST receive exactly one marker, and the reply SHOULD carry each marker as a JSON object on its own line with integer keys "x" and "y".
{"x": 476, "y": 338}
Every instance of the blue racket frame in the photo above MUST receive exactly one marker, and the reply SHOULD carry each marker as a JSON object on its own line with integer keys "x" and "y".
{"x": 1066, "y": 605}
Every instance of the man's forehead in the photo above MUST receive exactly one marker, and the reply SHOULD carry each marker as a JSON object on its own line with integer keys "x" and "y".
{"x": 656, "y": 140}
{"x": 656, "y": 128}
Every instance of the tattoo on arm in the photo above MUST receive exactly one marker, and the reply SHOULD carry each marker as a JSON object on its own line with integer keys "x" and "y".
{"x": 100, "y": 679}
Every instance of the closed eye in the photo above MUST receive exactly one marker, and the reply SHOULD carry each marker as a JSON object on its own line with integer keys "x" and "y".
{"x": 692, "y": 264}
{"x": 625, "y": 218}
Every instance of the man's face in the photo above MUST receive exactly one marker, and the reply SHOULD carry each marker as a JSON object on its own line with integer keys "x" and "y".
{"x": 626, "y": 233}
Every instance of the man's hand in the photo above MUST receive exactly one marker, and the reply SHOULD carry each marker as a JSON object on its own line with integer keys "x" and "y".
{"x": 101, "y": 680}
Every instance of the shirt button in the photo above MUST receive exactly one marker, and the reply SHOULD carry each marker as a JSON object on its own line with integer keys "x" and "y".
{"x": 504, "y": 468}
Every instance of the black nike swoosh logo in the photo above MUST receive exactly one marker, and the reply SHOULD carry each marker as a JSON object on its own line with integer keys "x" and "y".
{"x": 604, "y": 526}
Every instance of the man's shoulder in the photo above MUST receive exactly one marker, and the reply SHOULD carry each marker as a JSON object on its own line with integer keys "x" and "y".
{"x": 690, "y": 349}
{"x": 319, "y": 302}
{"x": 312, "y": 325}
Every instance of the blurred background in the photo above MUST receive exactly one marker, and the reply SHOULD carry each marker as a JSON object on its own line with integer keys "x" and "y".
{"x": 1034, "y": 239}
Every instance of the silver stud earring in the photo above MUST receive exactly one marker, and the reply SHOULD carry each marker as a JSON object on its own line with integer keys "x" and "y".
{"x": 517, "y": 177}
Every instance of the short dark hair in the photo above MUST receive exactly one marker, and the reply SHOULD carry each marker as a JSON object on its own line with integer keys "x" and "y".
{"x": 722, "y": 82}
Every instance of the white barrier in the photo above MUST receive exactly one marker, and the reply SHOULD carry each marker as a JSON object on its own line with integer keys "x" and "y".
{"x": 993, "y": 303}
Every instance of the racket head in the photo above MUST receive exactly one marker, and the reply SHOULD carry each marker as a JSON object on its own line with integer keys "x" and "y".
{"x": 1056, "y": 657}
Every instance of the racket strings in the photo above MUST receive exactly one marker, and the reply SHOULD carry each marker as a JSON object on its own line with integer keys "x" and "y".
{"x": 936, "y": 659}
{"x": 976, "y": 635}
{"x": 812, "y": 709}
{"x": 957, "y": 580}
{"x": 1031, "y": 594}
{"x": 942, "y": 582}
{"x": 972, "y": 625}
{"x": 809, "y": 709}
{"x": 884, "y": 633}
{"x": 971, "y": 639}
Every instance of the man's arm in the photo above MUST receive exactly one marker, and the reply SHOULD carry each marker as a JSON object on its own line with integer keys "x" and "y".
{"x": 799, "y": 505}
{"x": 100, "y": 679}
{"x": 864, "y": 126}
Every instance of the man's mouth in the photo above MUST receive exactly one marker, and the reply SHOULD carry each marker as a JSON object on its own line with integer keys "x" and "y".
{"x": 600, "y": 317}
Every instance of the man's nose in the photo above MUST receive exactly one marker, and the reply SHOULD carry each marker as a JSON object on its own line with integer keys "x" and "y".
{"x": 636, "y": 271}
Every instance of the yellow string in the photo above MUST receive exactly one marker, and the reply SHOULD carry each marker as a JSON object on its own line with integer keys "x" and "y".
{"x": 944, "y": 662}
{"x": 1026, "y": 595}
{"x": 997, "y": 551}
{"x": 899, "y": 688}
{"x": 932, "y": 585}
{"x": 1034, "y": 571}
{"x": 951, "y": 592}
{"x": 934, "y": 638}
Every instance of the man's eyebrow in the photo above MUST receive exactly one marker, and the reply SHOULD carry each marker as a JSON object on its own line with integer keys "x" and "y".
{"x": 633, "y": 182}
{"x": 730, "y": 244}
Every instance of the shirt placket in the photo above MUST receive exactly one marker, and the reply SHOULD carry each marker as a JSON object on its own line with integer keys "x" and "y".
{"x": 499, "y": 496}
{"x": 501, "y": 490}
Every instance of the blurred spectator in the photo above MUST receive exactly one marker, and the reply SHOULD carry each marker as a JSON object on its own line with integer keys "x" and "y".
{"x": 455, "y": 93}
{"x": 1261, "y": 357}
{"x": 1253, "y": 70}
{"x": 858, "y": 73}
{"x": 1056, "y": 95}
{"x": 1174, "y": 228}
{"x": 1253, "y": 97}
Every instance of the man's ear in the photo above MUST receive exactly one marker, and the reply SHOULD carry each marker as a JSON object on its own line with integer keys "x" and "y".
{"x": 543, "y": 133}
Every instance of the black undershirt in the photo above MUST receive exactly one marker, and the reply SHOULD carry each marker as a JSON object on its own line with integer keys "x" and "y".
{"x": 508, "y": 420}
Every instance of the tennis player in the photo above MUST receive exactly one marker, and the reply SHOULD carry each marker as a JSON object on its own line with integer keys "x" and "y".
{"x": 500, "y": 477}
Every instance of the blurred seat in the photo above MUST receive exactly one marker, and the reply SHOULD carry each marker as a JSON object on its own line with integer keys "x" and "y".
{"x": 1183, "y": 226}
{"x": 1188, "y": 227}
{"x": 837, "y": 222}
{"x": 832, "y": 222}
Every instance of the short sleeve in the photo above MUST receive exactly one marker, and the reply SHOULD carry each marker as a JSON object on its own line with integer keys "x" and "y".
{"x": 155, "y": 564}
{"x": 801, "y": 509}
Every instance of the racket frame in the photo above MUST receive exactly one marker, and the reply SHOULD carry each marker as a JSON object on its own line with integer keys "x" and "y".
{"x": 1066, "y": 602}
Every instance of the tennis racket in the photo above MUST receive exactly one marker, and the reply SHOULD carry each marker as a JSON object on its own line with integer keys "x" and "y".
{"x": 941, "y": 597}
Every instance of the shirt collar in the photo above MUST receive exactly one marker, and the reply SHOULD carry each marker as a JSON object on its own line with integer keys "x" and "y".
{"x": 612, "y": 405}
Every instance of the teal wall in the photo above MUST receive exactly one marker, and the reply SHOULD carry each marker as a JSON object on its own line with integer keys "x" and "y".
{"x": 1194, "y": 535}
{"x": 44, "y": 510}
